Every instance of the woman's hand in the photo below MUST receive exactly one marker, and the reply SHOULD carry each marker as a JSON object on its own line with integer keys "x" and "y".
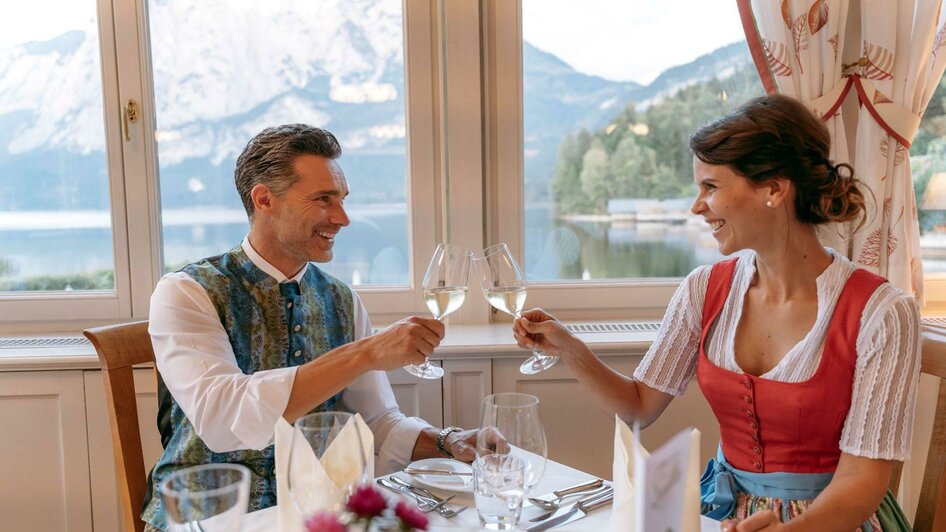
{"x": 766, "y": 521}
{"x": 539, "y": 329}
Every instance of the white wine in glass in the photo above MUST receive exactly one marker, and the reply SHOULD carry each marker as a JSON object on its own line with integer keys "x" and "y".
{"x": 445, "y": 286}
{"x": 504, "y": 286}
{"x": 443, "y": 301}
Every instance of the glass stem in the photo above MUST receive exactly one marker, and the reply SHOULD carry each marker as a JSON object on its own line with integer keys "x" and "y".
{"x": 535, "y": 350}
{"x": 426, "y": 363}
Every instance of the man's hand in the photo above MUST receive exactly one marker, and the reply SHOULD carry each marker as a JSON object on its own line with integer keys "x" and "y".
{"x": 462, "y": 445}
{"x": 405, "y": 342}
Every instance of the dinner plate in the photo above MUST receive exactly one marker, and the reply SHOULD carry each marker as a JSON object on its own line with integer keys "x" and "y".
{"x": 444, "y": 482}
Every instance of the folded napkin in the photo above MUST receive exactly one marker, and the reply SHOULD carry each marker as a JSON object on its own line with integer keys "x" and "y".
{"x": 659, "y": 491}
{"x": 323, "y": 480}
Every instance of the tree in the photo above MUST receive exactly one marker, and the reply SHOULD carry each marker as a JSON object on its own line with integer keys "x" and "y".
{"x": 594, "y": 176}
{"x": 566, "y": 185}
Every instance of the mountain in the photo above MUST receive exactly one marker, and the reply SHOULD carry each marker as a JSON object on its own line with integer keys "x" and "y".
{"x": 558, "y": 100}
{"x": 334, "y": 63}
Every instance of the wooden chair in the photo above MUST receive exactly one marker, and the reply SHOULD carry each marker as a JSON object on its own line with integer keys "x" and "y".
{"x": 931, "y": 509}
{"x": 120, "y": 347}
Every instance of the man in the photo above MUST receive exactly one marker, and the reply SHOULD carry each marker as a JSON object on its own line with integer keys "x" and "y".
{"x": 257, "y": 332}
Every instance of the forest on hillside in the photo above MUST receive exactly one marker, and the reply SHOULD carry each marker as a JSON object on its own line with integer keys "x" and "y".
{"x": 643, "y": 153}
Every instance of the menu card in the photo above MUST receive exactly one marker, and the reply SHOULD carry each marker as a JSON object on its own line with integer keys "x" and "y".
{"x": 657, "y": 491}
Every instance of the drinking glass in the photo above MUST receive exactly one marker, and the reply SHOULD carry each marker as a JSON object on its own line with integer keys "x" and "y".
{"x": 207, "y": 497}
{"x": 346, "y": 467}
{"x": 498, "y": 490}
{"x": 504, "y": 286}
{"x": 510, "y": 424}
{"x": 445, "y": 286}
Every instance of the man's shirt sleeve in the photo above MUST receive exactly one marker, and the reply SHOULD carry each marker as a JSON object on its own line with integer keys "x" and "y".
{"x": 229, "y": 409}
{"x": 371, "y": 395}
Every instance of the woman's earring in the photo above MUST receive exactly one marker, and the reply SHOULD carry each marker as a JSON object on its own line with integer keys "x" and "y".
{"x": 769, "y": 204}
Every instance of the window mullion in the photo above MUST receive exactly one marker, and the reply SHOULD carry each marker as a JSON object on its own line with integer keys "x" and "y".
{"x": 141, "y": 200}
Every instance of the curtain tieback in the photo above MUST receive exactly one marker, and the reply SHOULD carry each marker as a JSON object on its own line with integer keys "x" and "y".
{"x": 899, "y": 122}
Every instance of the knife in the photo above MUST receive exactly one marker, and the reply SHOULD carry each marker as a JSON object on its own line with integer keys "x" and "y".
{"x": 576, "y": 511}
{"x": 418, "y": 471}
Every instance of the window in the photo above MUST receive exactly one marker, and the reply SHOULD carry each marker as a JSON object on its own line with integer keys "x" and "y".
{"x": 227, "y": 70}
{"x": 56, "y": 229}
{"x": 555, "y": 126}
{"x": 96, "y": 207}
{"x": 608, "y": 179}
{"x": 928, "y": 160}
{"x": 597, "y": 196}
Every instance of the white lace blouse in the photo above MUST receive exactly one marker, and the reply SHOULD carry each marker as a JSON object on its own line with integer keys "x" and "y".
{"x": 880, "y": 421}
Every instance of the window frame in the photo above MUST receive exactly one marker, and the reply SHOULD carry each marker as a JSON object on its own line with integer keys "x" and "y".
{"x": 641, "y": 298}
{"x": 465, "y": 173}
{"x": 54, "y": 307}
{"x": 124, "y": 35}
{"x": 636, "y": 299}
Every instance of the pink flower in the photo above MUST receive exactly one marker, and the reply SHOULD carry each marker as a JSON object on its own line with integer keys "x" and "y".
{"x": 366, "y": 502}
{"x": 324, "y": 522}
{"x": 410, "y": 517}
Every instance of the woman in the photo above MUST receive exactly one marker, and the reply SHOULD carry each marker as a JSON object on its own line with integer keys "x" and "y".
{"x": 809, "y": 363}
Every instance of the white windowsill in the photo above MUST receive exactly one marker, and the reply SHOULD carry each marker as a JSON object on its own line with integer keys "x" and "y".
{"x": 461, "y": 341}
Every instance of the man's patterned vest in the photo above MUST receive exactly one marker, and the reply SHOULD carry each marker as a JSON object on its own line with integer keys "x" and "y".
{"x": 270, "y": 326}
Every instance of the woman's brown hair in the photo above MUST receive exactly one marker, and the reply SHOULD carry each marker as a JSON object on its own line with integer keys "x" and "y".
{"x": 777, "y": 136}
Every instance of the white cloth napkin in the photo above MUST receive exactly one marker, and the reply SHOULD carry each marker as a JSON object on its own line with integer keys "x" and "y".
{"x": 673, "y": 468}
{"x": 338, "y": 467}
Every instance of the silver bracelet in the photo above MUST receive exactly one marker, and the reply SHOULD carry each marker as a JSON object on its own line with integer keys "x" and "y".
{"x": 442, "y": 436}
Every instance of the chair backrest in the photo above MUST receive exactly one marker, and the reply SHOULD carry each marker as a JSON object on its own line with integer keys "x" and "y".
{"x": 931, "y": 508}
{"x": 120, "y": 347}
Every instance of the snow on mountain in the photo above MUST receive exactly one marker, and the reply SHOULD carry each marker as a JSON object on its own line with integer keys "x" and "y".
{"x": 221, "y": 74}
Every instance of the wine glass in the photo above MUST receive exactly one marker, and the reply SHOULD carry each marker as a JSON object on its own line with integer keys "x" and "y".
{"x": 510, "y": 424}
{"x": 445, "y": 286}
{"x": 206, "y": 497}
{"x": 504, "y": 286}
{"x": 333, "y": 439}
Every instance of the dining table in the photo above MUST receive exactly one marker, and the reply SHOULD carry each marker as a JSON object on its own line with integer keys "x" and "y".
{"x": 556, "y": 477}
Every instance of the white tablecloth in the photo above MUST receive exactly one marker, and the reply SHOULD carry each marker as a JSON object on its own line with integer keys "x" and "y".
{"x": 556, "y": 476}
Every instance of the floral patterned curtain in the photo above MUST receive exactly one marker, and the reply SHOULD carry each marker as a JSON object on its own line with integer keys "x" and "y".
{"x": 797, "y": 46}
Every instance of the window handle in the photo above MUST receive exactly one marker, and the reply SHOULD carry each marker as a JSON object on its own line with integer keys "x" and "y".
{"x": 129, "y": 114}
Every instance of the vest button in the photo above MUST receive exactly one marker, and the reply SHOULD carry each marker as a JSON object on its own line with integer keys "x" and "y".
{"x": 289, "y": 304}
{"x": 750, "y": 414}
{"x": 754, "y": 425}
{"x": 755, "y": 438}
{"x": 758, "y": 466}
{"x": 747, "y": 399}
{"x": 297, "y": 328}
{"x": 298, "y": 353}
{"x": 747, "y": 383}
{"x": 757, "y": 450}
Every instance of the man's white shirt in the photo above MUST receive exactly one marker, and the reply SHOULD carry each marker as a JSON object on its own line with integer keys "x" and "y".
{"x": 231, "y": 410}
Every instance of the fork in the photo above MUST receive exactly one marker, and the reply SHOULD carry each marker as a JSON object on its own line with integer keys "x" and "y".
{"x": 564, "y": 493}
{"x": 585, "y": 495}
{"x": 422, "y": 492}
{"x": 424, "y": 504}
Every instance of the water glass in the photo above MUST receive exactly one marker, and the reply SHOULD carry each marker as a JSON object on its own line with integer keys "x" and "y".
{"x": 207, "y": 497}
{"x": 333, "y": 440}
{"x": 498, "y": 489}
{"x": 510, "y": 423}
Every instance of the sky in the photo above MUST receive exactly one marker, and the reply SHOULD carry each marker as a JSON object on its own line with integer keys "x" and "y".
{"x": 57, "y": 16}
{"x": 629, "y": 40}
{"x": 625, "y": 40}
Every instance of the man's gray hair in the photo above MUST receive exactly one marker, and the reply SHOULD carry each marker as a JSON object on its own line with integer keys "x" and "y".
{"x": 268, "y": 158}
